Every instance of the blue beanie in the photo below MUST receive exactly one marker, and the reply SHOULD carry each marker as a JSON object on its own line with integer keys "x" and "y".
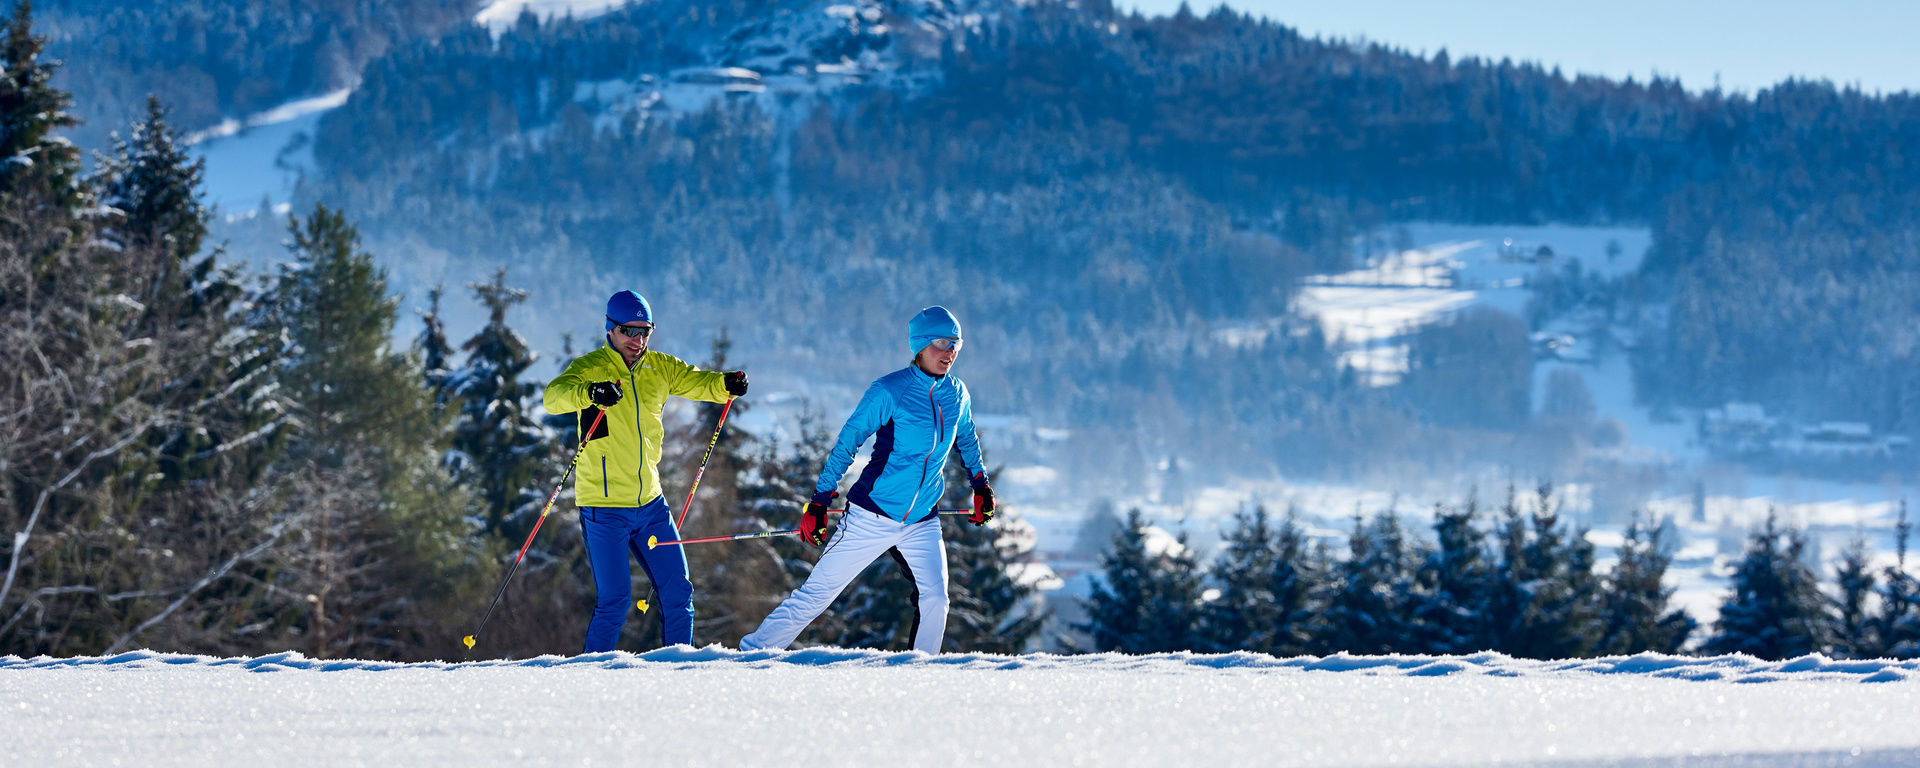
{"x": 932, "y": 323}
{"x": 628, "y": 307}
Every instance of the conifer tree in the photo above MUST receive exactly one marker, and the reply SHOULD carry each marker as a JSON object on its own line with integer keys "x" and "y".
{"x": 436, "y": 353}
{"x": 1245, "y": 615}
{"x": 1457, "y": 581}
{"x": 1367, "y": 606}
{"x": 382, "y": 539}
{"x": 1774, "y": 609}
{"x": 1145, "y": 603}
{"x": 1897, "y": 625}
{"x": 1852, "y": 628}
{"x": 1634, "y": 616}
{"x": 499, "y": 445}
{"x": 33, "y": 161}
{"x": 1568, "y": 601}
{"x": 1546, "y": 599}
{"x": 1299, "y": 573}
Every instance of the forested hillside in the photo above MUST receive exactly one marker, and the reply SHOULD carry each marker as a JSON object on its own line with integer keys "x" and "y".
{"x": 1097, "y": 192}
{"x": 216, "y": 59}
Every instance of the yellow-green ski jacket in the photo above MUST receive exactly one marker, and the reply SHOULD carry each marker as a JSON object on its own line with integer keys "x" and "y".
{"x": 620, "y": 465}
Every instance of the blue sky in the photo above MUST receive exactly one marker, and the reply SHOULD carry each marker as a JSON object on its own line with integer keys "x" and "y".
{"x": 1749, "y": 45}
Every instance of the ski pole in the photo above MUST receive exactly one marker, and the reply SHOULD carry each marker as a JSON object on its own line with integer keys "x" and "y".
{"x": 469, "y": 639}
{"x": 703, "y": 465}
{"x": 654, "y": 541}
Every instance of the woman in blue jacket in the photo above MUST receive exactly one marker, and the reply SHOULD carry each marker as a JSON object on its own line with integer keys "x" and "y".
{"x": 917, "y": 415}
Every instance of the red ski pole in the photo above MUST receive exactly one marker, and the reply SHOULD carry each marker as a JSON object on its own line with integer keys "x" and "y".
{"x": 688, "y": 504}
{"x": 469, "y": 639}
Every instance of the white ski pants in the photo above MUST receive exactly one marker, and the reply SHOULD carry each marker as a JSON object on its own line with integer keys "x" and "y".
{"x": 862, "y": 537}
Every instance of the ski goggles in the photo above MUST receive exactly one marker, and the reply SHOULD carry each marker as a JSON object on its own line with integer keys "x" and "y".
{"x": 630, "y": 331}
{"x": 943, "y": 344}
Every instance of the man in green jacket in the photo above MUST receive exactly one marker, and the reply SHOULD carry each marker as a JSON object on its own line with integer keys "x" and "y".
{"x": 618, "y": 485}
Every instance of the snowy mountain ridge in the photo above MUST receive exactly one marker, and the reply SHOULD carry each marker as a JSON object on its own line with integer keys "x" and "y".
{"x": 1736, "y": 668}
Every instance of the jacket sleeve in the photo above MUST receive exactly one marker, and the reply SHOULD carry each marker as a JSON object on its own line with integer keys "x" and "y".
{"x": 690, "y": 381}
{"x": 968, "y": 442}
{"x": 873, "y": 412}
{"x": 568, "y": 392}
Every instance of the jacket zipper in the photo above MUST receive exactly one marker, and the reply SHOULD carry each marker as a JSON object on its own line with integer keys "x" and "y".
{"x": 939, "y": 429}
{"x": 633, "y": 390}
{"x": 603, "y": 479}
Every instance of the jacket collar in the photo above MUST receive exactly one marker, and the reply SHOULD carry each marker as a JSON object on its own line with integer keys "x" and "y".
{"x": 614, "y": 355}
{"x": 927, "y": 379}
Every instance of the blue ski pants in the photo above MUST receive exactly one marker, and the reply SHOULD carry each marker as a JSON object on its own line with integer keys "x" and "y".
{"x": 611, "y": 534}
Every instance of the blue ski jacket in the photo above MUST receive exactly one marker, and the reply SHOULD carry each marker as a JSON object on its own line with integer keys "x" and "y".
{"x": 916, "y": 420}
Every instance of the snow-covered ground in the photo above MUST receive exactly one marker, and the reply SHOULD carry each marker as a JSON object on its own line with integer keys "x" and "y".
{"x": 261, "y": 157}
{"x": 686, "y": 706}
{"x": 501, "y": 14}
{"x": 1439, "y": 269}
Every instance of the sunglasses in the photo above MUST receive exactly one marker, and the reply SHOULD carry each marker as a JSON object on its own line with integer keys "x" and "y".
{"x": 630, "y": 331}
{"x": 944, "y": 344}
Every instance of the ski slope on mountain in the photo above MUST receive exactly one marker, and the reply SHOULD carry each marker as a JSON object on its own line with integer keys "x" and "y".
{"x": 823, "y": 707}
{"x": 501, "y": 14}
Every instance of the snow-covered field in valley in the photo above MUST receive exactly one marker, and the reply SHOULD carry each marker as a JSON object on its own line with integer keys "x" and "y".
{"x": 685, "y": 706}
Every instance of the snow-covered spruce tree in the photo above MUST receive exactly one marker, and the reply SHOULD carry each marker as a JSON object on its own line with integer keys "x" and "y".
{"x": 385, "y": 565}
{"x": 1571, "y": 602}
{"x": 1368, "y": 604}
{"x": 1143, "y": 603}
{"x": 991, "y": 609}
{"x": 498, "y": 445}
{"x": 1298, "y": 575}
{"x": 34, "y": 163}
{"x": 1455, "y": 580}
{"x": 436, "y": 353}
{"x": 1853, "y": 635}
{"x": 1634, "y": 611}
{"x": 1245, "y": 615}
{"x": 1897, "y": 624}
{"x": 1774, "y": 609}
{"x": 1546, "y": 598}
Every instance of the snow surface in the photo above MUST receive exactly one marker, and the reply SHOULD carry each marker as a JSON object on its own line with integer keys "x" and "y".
{"x": 1440, "y": 270}
{"x": 714, "y": 706}
{"x": 500, "y": 15}
{"x": 261, "y": 157}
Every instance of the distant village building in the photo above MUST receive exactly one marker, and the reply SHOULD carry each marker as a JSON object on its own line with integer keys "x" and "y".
{"x": 1738, "y": 429}
{"x": 1525, "y": 252}
{"x": 1744, "y": 430}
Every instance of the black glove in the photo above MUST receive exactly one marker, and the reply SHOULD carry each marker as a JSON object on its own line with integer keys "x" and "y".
{"x": 813, "y": 522}
{"x": 982, "y": 500}
{"x": 737, "y": 383}
{"x": 604, "y": 393}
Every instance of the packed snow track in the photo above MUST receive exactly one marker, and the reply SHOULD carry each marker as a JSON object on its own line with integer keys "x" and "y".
{"x": 830, "y": 707}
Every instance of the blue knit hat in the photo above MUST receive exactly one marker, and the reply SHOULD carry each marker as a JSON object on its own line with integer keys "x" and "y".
{"x": 628, "y": 307}
{"x": 932, "y": 323}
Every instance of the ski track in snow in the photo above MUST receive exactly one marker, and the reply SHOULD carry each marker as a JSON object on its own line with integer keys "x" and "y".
{"x": 829, "y": 706}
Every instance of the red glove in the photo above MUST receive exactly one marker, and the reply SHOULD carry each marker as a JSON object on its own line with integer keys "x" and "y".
{"x": 813, "y": 521}
{"x": 982, "y": 500}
